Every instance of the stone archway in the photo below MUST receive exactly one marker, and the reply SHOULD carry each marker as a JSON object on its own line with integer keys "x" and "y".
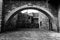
{"x": 43, "y": 10}
{"x": 37, "y": 17}
{"x": 32, "y": 7}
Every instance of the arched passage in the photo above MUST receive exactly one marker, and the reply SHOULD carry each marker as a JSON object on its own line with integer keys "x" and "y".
{"x": 50, "y": 17}
{"x": 13, "y": 12}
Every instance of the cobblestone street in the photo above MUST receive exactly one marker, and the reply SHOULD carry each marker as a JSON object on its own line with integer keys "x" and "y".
{"x": 31, "y": 34}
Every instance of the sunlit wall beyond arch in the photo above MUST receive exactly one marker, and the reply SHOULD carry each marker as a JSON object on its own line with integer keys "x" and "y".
{"x": 42, "y": 17}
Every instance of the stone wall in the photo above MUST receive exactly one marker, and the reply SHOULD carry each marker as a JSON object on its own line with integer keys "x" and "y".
{"x": 59, "y": 17}
{"x": 13, "y": 5}
{"x": 0, "y": 14}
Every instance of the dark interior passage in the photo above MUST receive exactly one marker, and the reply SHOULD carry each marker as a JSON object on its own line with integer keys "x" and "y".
{"x": 28, "y": 20}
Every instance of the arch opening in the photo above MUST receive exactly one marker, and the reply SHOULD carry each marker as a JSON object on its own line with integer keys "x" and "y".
{"x": 49, "y": 16}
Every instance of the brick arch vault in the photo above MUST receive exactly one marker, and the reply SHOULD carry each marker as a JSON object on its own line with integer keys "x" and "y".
{"x": 41, "y": 9}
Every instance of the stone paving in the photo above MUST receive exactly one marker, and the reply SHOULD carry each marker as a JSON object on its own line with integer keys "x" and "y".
{"x": 29, "y": 35}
